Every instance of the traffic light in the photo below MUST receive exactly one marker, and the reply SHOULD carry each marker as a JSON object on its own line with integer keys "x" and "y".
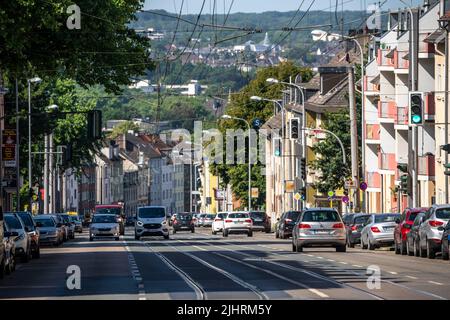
{"x": 404, "y": 183}
{"x": 446, "y": 147}
{"x": 277, "y": 147}
{"x": 303, "y": 168}
{"x": 294, "y": 128}
{"x": 303, "y": 193}
{"x": 447, "y": 166}
{"x": 402, "y": 167}
{"x": 416, "y": 106}
{"x": 94, "y": 124}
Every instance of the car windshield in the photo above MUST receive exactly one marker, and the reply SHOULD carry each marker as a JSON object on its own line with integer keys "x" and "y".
{"x": 147, "y": 213}
{"x": 321, "y": 216}
{"x": 412, "y": 216}
{"x": 361, "y": 219}
{"x": 258, "y": 215}
{"x": 185, "y": 217}
{"x": 65, "y": 219}
{"x": 443, "y": 213}
{"x": 293, "y": 215}
{"x": 74, "y": 218}
{"x": 115, "y": 211}
{"x": 210, "y": 216}
{"x": 386, "y": 218}
{"x": 26, "y": 219}
{"x": 12, "y": 222}
{"x": 104, "y": 219}
{"x": 238, "y": 215}
{"x": 44, "y": 222}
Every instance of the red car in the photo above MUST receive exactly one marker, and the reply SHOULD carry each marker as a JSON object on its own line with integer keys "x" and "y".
{"x": 404, "y": 225}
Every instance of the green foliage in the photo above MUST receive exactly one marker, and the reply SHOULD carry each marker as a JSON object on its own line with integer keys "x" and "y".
{"x": 241, "y": 106}
{"x": 123, "y": 128}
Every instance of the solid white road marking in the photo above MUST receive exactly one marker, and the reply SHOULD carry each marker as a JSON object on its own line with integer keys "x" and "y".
{"x": 392, "y": 272}
{"x": 357, "y": 266}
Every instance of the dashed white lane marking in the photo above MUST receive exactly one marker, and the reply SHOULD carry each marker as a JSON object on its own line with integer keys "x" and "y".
{"x": 331, "y": 260}
{"x": 135, "y": 273}
{"x": 142, "y": 298}
{"x": 356, "y": 266}
{"x": 342, "y": 262}
{"x": 319, "y": 293}
{"x": 319, "y": 257}
{"x": 310, "y": 255}
{"x": 411, "y": 277}
{"x": 436, "y": 283}
{"x": 393, "y": 272}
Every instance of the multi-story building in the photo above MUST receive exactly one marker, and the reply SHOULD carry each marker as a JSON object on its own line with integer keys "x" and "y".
{"x": 391, "y": 74}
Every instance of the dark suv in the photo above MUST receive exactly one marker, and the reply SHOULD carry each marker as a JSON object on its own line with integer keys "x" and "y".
{"x": 261, "y": 221}
{"x": 286, "y": 223}
{"x": 183, "y": 221}
{"x": 33, "y": 232}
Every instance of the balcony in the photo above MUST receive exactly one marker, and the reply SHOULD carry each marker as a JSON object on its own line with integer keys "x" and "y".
{"x": 402, "y": 118}
{"x": 401, "y": 65}
{"x": 372, "y": 85}
{"x": 372, "y": 133}
{"x": 429, "y": 110}
{"x": 373, "y": 180}
{"x": 426, "y": 165}
{"x": 387, "y": 161}
{"x": 426, "y": 49}
{"x": 384, "y": 63}
{"x": 387, "y": 111}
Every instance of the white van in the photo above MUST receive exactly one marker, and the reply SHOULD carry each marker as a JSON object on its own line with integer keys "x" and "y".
{"x": 151, "y": 221}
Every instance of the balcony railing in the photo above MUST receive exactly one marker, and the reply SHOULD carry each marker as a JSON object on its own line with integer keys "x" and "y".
{"x": 425, "y": 47}
{"x": 382, "y": 60}
{"x": 399, "y": 61}
{"x": 369, "y": 86}
{"x": 387, "y": 161}
{"x": 373, "y": 180}
{"x": 429, "y": 106}
{"x": 426, "y": 165}
{"x": 373, "y": 131}
{"x": 387, "y": 109}
{"x": 402, "y": 115}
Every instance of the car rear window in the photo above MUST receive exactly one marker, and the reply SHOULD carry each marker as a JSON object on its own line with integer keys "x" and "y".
{"x": 321, "y": 216}
{"x": 258, "y": 215}
{"x": 26, "y": 219}
{"x": 293, "y": 215}
{"x": 210, "y": 216}
{"x": 185, "y": 217}
{"x": 13, "y": 222}
{"x": 238, "y": 215}
{"x": 386, "y": 218}
{"x": 361, "y": 219}
{"x": 104, "y": 219}
{"x": 443, "y": 213}
{"x": 412, "y": 216}
{"x": 45, "y": 222}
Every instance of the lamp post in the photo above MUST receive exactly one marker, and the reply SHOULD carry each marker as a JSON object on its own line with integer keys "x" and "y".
{"x": 30, "y": 81}
{"x": 225, "y": 116}
{"x": 48, "y": 167}
{"x": 300, "y": 89}
{"x": 283, "y": 135}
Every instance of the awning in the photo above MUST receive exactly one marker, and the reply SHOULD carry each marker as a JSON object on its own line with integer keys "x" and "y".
{"x": 390, "y": 54}
{"x": 436, "y": 37}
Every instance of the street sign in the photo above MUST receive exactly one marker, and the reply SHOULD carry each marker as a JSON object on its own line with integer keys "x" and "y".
{"x": 330, "y": 194}
{"x": 289, "y": 186}
{"x": 345, "y": 199}
{"x": 257, "y": 123}
{"x": 350, "y": 184}
{"x": 255, "y": 193}
{"x": 297, "y": 196}
{"x": 363, "y": 186}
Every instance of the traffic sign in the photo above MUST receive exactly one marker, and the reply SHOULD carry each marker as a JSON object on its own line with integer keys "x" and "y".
{"x": 257, "y": 123}
{"x": 330, "y": 194}
{"x": 297, "y": 196}
{"x": 363, "y": 186}
{"x": 350, "y": 184}
{"x": 345, "y": 199}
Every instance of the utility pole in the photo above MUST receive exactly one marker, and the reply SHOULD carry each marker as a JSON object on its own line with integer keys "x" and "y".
{"x": 46, "y": 173}
{"x": 354, "y": 136}
{"x": 17, "y": 149}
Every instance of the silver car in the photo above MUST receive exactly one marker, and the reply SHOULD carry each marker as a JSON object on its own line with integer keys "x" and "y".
{"x": 430, "y": 235}
{"x": 104, "y": 226}
{"x": 50, "y": 233}
{"x": 23, "y": 241}
{"x": 378, "y": 230}
{"x": 319, "y": 227}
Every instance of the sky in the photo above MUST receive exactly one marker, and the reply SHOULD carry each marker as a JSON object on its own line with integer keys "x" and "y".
{"x": 193, "y": 6}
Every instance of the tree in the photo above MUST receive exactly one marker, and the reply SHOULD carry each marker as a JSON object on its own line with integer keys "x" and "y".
{"x": 123, "y": 128}
{"x": 242, "y": 107}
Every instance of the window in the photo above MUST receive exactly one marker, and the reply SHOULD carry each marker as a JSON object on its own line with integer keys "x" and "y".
{"x": 321, "y": 216}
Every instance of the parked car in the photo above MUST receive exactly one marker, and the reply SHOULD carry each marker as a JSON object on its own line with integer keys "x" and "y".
{"x": 7, "y": 251}
{"x": 286, "y": 223}
{"x": 130, "y": 221}
{"x": 430, "y": 236}
{"x": 50, "y": 233}
{"x": 412, "y": 237}
{"x": 319, "y": 227}
{"x": 172, "y": 218}
{"x": 183, "y": 222}
{"x": 104, "y": 226}
{"x": 151, "y": 221}
{"x": 217, "y": 224}
{"x": 62, "y": 226}
{"x": 445, "y": 241}
{"x": 78, "y": 225}
{"x": 404, "y": 224}
{"x": 23, "y": 240}
{"x": 33, "y": 232}
{"x": 69, "y": 224}
{"x": 200, "y": 218}
{"x": 208, "y": 220}
{"x": 378, "y": 231}
{"x": 347, "y": 219}
{"x": 355, "y": 223}
{"x": 261, "y": 221}
{"x": 237, "y": 222}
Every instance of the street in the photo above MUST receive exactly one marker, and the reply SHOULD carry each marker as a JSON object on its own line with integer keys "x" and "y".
{"x": 202, "y": 266}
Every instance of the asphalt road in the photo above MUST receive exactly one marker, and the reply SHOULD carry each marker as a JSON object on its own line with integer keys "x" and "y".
{"x": 203, "y": 266}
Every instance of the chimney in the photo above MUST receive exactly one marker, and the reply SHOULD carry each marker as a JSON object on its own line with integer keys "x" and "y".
{"x": 112, "y": 143}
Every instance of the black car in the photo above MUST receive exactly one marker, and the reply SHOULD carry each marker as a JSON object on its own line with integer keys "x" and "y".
{"x": 183, "y": 221}
{"x": 353, "y": 228}
{"x": 261, "y": 221}
{"x": 33, "y": 232}
{"x": 445, "y": 241}
{"x": 412, "y": 237}
{"x": 129, "y": 222}
{"x": 286, "y": 223}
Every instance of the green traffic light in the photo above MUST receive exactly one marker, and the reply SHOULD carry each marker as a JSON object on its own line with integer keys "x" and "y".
{"x": 416, "y": 119}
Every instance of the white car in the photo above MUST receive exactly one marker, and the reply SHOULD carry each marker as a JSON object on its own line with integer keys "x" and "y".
{"x": 23, "y": 241}
{"x": 151, "y": 221}
{"x": 217, "y": 224}
{"x": 237, "y": 222}
{"x": 104, "y": 226}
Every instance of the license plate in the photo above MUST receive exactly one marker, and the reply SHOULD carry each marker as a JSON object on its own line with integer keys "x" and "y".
{"x": 321, "y": 232}
{"x": 237, "y": 222}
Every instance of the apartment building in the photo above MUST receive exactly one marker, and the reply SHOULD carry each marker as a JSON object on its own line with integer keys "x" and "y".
{"x": 391, "y": 75}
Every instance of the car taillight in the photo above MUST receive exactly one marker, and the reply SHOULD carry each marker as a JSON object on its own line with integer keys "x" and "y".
{"x": 248, "y": 220}
{"x": 435, "y": 223}
{"x": 375, "y": 229}
{"x": 217, "y": 219}
{"x": 338, "y": 225}
{"x": 175, "y": 221}
{"x": 304, "y": 226}
{"x": 228, "y": 221}
{"x": 354, "y": 228}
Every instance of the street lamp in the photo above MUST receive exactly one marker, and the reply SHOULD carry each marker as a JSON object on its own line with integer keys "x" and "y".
{"x": 228, "y": 117}
{"x": 48, "y": 166}
{"x": 30, "y": 81}
{"x": 320, "y": 35}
